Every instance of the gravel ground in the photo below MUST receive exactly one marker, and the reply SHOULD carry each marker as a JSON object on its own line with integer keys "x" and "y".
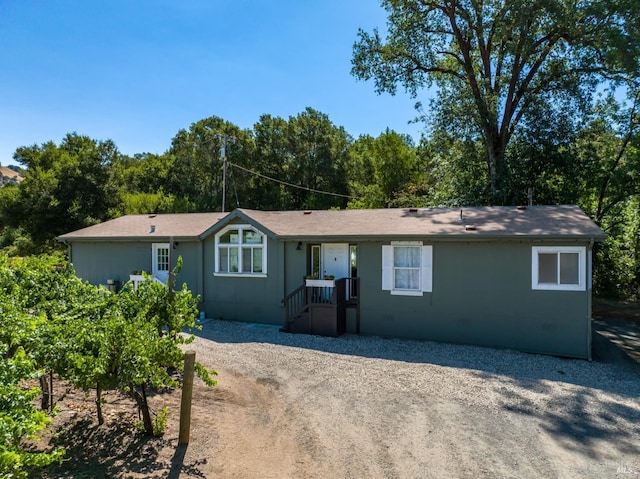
{"x": 360, "y": 406}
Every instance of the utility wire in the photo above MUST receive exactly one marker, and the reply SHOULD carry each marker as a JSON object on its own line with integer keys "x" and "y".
{"x": 290, "y": 184}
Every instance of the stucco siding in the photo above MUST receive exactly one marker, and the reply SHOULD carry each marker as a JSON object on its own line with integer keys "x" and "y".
{"x": 97, "y": 262}
{"x": 246, "y": 298}
{"x": 191, "y": 266}
{"x": 481, "y": 295}
{"x": 296, "y": 265}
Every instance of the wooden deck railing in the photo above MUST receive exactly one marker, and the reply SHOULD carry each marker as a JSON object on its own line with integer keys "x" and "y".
{"x": 295, "y": 303}
{"x": 345, "y": 292}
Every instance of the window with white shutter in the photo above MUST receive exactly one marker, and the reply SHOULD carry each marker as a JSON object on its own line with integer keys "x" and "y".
{"x": 407, "y": 268}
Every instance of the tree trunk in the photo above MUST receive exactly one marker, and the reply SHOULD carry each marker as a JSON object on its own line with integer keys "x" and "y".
{"x": 492, "y": 163}
{"x": 99, "y": 404}
{"x": 44, "y": 386}
{"x": 495, "y": 163}
{"x": 143, "y": 406}
{"x": 51, "y": 392}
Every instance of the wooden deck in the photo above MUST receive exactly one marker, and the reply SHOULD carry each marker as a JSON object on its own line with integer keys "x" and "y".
{"x": 321, "y": 310}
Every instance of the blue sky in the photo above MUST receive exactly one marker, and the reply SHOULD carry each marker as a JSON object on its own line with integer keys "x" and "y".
{"x": 137, "y": 71}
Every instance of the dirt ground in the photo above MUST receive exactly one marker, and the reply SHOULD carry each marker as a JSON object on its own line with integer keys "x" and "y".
{"x": 235, "y": 425}
{"x": 246, "y": 428}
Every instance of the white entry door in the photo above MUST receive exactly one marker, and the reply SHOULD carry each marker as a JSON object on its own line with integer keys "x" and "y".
{"x": 160, "y": 261}
{"x": 335, "y": 260}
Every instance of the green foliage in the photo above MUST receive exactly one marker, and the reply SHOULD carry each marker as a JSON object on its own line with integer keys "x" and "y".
{"x": 307, "y": 151}
{"x": 98, "y": 340}
{"x": 145, "y": 203}
{"x": 383, "y": 171}
{"x": 195, "y": 175}
{"x": 19, "y": 419}
{"x": 159, "y": 423}
{"x": 66, "y": 187}
{"x": 497, "y": 63}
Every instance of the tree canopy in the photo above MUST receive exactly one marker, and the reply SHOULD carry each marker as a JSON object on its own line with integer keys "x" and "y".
{"x": 66, "y": 187}
{"x": 497, "y": 63}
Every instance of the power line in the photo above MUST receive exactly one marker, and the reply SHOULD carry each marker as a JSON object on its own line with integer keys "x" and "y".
{"x": 312, "y": 190}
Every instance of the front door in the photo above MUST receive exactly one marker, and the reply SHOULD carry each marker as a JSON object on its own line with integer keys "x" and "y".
{"x": 335, "y": 260}
{"x": 160, "y": 261}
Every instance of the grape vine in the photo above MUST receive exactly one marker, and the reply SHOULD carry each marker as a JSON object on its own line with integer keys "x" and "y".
{"x": 54, "y": 323}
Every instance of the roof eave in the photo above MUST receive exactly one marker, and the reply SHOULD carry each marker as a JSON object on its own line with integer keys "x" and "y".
{"x": 469, "y": 236}
{"x": 96, "y": 239}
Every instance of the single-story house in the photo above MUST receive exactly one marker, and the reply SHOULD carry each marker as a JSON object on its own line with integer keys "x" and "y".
{"x": 508, "y": 277}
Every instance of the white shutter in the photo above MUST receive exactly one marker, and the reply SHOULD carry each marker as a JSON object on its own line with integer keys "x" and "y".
{"x": 427, "y": 268}
{"x": 387, "y": 267}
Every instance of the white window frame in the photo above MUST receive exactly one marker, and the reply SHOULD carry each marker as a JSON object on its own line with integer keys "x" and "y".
{"x": 558, "y": 250}
{"x": 240, "y": 247}
{"x": 426, "y": 269}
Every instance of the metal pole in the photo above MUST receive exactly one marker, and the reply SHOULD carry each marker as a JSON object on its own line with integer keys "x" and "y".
{"x": 224, "y": 182}
{"x": 223, "y": 154}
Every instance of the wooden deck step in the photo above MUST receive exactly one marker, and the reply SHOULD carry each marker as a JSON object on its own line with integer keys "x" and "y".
{"x": 301, "y": 324}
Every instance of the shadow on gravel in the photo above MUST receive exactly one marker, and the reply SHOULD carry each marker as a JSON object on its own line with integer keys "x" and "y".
{"x": 578, "y": 418}
{"x": 616, "y": 340}
{"x": 581, "y": 420}
{"x": 612, "y": 370}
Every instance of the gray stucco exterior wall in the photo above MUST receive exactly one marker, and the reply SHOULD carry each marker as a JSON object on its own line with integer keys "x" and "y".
{"x": 99, "y": 261}
{"x": 245, "y": 298}
{"x": 481, "y": 295}
{"x": 96, "y": 262}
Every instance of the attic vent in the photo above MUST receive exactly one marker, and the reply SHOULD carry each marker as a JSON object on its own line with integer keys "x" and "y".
{"x": 413, "y": 210}
{"x": 469, "y": 227}
{"x": 152, "y": 229}
{"x": 521, "y": 207}
{"x": 306, "y": 212}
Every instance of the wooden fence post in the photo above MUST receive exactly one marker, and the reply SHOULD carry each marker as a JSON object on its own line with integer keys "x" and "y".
{"x": 187, "y": 393}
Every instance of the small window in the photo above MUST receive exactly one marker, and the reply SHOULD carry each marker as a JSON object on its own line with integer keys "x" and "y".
{"x": 162, "y": 258}
{"x": 353, "y": 260}
{"x": 558, "y": 268}
{"x": 407, "y": 268}
{"x": 241, "y": 250}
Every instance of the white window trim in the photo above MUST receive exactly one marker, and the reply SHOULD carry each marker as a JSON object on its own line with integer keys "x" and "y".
{"x": 426, "y": 269}
{"x": 580, "y": 250}
{"x": 239, "y": 274}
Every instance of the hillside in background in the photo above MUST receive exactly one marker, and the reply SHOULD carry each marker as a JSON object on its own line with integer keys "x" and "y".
{"x": 10, "y": 175}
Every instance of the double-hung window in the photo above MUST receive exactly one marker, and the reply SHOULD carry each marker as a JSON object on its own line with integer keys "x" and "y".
{"x": 558, "y": 268}
{"x": 241, "y": 250}
{"x": 407, "y": 268}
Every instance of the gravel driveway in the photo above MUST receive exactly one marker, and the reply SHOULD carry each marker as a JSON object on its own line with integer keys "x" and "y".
{"x": 370, "y": 407}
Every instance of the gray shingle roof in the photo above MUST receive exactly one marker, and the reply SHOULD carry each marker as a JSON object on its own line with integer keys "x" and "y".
{"x": 545, "y": 221}
{"x": 565, "y": 221}
{"x": 185, "y": 225}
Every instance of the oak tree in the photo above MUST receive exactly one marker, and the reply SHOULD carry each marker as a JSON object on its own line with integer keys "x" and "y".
{"x": 492, "y": 61}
